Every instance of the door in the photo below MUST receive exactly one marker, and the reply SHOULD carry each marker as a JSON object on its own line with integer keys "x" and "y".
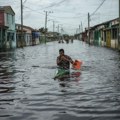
{"x": 108, "y": 38}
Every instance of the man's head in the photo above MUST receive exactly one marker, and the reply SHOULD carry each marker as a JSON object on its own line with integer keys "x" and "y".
{"x": 61, "y": 51}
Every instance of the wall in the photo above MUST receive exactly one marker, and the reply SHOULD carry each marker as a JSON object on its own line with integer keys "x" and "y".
{"x": 10, "y": 22}
{"x": 1, "y": 18}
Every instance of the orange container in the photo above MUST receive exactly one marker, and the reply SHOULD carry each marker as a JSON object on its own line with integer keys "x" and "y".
{"x": 77, "y": 64}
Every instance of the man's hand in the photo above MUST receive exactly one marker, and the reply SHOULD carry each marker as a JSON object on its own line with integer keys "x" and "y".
{"x": 64, "y": 58}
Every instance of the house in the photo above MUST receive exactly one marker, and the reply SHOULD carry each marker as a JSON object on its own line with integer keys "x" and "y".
{"x": 114, "y": 33}
{"x": 35, "y": 37}
{"x": 51, "y": 36}
{"x": 30, "y": 36}
{"x": 7, "y": 27}
{"x": 98, "y": 34}
{"x": 27, "y": 35}
{"x": 104, "y": 34}
{"x": 109, "y": 33}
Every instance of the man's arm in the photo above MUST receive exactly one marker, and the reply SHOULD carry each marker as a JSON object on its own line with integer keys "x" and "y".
{"x": 58, "y": 60}
{"x": 67, "y": 59}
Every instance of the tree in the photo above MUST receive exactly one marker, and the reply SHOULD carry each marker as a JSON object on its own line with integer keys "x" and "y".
{"x": 43, "y": 30}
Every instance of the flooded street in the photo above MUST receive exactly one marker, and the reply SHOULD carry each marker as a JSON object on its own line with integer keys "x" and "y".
{"x": 29, "y": 92}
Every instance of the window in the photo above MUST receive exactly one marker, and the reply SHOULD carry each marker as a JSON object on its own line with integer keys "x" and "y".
{"x": 105, "y": 36}
{"x": 10, "y": 36}
{"x": 114, "y": 33}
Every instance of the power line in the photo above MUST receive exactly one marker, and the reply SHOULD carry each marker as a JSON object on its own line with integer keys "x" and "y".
{"x": 98, "y": 8}
{"x": 51, "y": 5}
{"x": 33, "y": 10}
{"x": 55, "y": 4}
{"x": 25, "y": 1}
{"x": 52, "y": 15}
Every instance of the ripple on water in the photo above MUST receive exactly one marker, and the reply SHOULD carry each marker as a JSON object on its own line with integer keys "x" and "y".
{"x": 29, "y": 92}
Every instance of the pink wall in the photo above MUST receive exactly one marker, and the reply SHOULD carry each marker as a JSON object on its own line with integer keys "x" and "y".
{"x": 1, "y": 18}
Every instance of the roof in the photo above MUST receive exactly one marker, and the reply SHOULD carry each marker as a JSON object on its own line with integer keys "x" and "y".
{"x": 103, "y": 23}
{"x": 25, "y": 26}
{"x": 7, "y": 9}
{"x": 106, "y": 22}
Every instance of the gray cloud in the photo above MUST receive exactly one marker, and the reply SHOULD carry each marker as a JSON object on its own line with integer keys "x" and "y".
{"x": 69, "y": 13}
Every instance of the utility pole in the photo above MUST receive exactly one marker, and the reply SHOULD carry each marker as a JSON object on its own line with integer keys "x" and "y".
{"x": 81, "y": 27}
{"x": 45, "y": 24}
{"x": 21, "y": 23}
{"x": 46, "y": 14}
{"x": 79, "y": 32}
{"x": 119, "y": 29}
{"x": 58, "y": 28}
{"x": 58, "y": 32}
{"x": 62, "y": 33}
{"x": 89, "y": 28}
{"x": 53, "y": 26}
{"x": 76, "y": 30}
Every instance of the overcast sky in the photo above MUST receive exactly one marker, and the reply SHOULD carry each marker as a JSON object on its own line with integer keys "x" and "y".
{"x": 69, "y": 14}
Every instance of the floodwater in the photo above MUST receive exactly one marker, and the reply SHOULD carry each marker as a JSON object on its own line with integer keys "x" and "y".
{"x": 29, "y": 92}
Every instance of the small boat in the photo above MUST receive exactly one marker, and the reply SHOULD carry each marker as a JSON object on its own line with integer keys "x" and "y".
{"x": 60, "y": 72}
{"x": 67, "y": 73}
{"x": 63, "y": 73}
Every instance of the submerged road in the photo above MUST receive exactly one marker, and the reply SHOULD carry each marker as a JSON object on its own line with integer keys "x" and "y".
{"x": 29, "y": 92}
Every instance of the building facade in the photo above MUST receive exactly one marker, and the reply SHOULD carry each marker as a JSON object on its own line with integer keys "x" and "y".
{"x": 104, "y": 34}
{"x": 26, "y": 40}
{"x": 7, "y": 27}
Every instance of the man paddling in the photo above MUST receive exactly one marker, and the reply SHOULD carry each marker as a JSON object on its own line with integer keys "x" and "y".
{"x": 63, "y": 61}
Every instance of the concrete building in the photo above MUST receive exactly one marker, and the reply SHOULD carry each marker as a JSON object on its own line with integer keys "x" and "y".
{"x": 27, "y": 35}
{"x": 7, "y": 27}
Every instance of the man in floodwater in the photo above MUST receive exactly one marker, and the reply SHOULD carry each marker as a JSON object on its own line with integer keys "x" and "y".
{"x": 63, "y": 61}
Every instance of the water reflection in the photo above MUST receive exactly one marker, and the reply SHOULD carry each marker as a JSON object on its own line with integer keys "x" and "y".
{"x": 6, "y": 72}
{"x": 29, "y": 92}
{"x": 74, "y": 76}
{"x": 6, "y": 89}
{"x": 66, "y": 80}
